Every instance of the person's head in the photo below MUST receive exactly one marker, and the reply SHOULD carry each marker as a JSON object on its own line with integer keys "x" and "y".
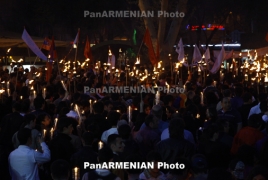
{"x": 263, "y": 106}
{"x": 169, "y": 111}
{"x": 219, "y": 174}
{"x": 113, "y": 117}
{"x": 98, "y": 107}
{"x": 151, "y": 121}
{"x": 226, "y": 103}
{"x": 65, "y": 125}
{"x": 255, "y": 121}
{"x": 212, "y": 132}
{"x": 147, "y": 109}
{"x": 190, "y": 95}
{"x": 16, "y": 107}
{"x": 39, "y": 102}
{"x": 105, "y": 155}
{"x": 226, "y": 93}
{"x": 258, "y": 173}
{"x": 85, "y": 106}
{"x": 115, "y": 142}
{"x": 176, "y": 128}
{"x": 154, "y": 157}
{"x": 237, "y": 168}
{"x": 209, "y": 81}
{"x": 43, "y": 120}
{"x": 124, "y": 131}
{"x": 61, "y": 92}
{"x": 88, "y": 138}
{"x": 60, "y": 170}
{"x": 262, "y": 96}
{"x": 180, "y": 173}
{"x": 199, "y": 164}
{"x": 247, "y": 97}
{"x": 108, "y": 106}
{"x": 25, "y": 136}
{"x": 25, "y": 106}
{"x": 157, "y": 111}
{"x": 238, "y": 91}
{"x": 212, "y": 113}
{"x": 30, "y": 120}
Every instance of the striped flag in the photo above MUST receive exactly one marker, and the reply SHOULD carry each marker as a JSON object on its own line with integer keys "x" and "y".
{"x": 87, "y": 50}
{"x": 75, "y": 43}
{"x": 46, "y": 44}
{"x": 180, "y": 51}
{"x": 31, "y": 44}
{"x": 148, "y": 42}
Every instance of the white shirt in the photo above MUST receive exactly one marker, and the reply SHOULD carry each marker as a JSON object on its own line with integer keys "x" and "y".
{"x": 187, "y": 135}
{"x": 254, "y": 110}
{"x": 106, "y": 134}
{"x": 23, "y": 162}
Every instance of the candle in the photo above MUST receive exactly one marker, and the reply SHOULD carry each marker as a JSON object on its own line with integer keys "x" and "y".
{"x": 44, "y": 93}
{"x": 246, "y": 77}
{"x": 157, "y": 97}
{"x": 51, "y": 132}
{"x": 63, "y": 85}
{"x": 7, "y": 85}
{"x": 91, "y": 107}
{"x": 56, "y": 121}
{"x": 34, "y": 94}
{"x": 100, "y": 145}
{"x": 44, "y": 132}
{"x": 76, "y": 173}
{"x": 202, "y": 98}
{"x": 129, "y": 114}
{"x": 21, "y": 97}
{"x": 8, "y": 92}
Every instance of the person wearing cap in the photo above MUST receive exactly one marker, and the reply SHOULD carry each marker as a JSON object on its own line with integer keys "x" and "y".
{"x": 157, "y": 111}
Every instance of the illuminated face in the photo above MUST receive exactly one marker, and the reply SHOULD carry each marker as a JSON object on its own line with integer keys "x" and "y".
{"x": 118, "y": 146}
{"x": 226, "y": 104}
{"x": 46, "y": 121}
{"x": 147, "y": 110}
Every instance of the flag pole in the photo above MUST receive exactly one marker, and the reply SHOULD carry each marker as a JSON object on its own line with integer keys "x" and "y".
{"x": 75, "y": 58}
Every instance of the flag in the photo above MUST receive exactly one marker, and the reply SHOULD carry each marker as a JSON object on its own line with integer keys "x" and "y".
{"x": 52, "y": 52}
{"x": 148, "y": 42}
{"x": 52, "y": 56}
{"x": 266, "y": 37}
{"x": 229, "y": 55}
{"x": 207, "y": 55}
{"x": 31, "y": 44}
{"x": 180, "y": 50}
{"x": 75, "y": 43}
{"x": 87, "y": 51}
{"x": 197, "y": 55}
{"x": 134, "y": 37}
{"x": 46, "y": 44}
{"x": 218, "y": 62}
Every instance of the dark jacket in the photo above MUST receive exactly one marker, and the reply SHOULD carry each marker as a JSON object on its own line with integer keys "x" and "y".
{"x": 171, "y": 149}
{"x": 85, "y": 154}
{"x": 9, "y": 125}
{"x": 61, "y": 147}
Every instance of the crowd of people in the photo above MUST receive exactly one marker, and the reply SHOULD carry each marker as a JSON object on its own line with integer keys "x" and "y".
{"x": 219, "y": 134}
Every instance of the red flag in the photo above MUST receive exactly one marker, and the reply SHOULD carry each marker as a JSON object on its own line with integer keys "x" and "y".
{"x": 87, "y": 51}
{"x": 148, "y": 42}
{"x": 46, "y": 44}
